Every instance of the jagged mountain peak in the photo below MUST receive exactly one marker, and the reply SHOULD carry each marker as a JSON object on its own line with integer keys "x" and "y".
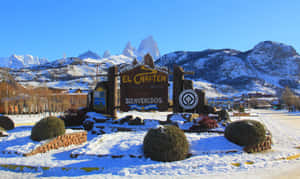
{"x": 21, "y": 61}
{"x": 129, "y": 51}
{"x": 274, "y": 58}
{"x": 106, "y": 54}
{"x": 148, "y": 45}
{"x": 275, "y": 49}
{"x": 89, "y": 54}
{"x": 129, "y": 46}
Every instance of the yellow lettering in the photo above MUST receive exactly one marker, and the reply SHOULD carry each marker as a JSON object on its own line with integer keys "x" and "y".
{"x": 164, "y": 79}
{"x": 126, "y": 79}
{"x": 146, "y": 77}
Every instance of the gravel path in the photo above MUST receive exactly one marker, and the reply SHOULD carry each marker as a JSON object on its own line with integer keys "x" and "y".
{"x": 291, "y": 121}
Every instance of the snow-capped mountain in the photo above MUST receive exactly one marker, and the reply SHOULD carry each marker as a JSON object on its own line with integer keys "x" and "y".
{"x": 129, "y": 51}
{"x": 106, "y": 54}
{"x": 147, "y": 45}
{"x": 21, "y": 61}
{"x": 89, "y": 54}
{"x": 71, "y": 72}
{"x": 268, "y": 66}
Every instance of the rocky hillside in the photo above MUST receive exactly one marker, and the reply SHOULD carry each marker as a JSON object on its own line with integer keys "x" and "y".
{"x": 268, "y": 66}
{"x": 72, "y": 72}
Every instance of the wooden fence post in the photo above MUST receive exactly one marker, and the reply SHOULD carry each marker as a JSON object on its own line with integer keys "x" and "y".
{"x": 201, "y": 101}
{"x": 178, "y": 78}
{"x": 112, "y": 91}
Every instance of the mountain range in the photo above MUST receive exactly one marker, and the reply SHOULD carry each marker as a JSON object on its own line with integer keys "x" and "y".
{"x": 21, "y": 61}
{"x": 268, "y": 67}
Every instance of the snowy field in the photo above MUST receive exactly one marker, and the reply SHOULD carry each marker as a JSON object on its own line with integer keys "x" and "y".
{"x": 120, "y": 155}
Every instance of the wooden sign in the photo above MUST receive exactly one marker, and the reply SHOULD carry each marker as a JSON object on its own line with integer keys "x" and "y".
{"x": 144, "y": 89}
{"x": 100, "y": 99}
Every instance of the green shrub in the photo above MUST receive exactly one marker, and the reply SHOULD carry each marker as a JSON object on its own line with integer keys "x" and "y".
{"x": 47, "y": 128}
{"x": 241, "y": 109}
{"x": 6, "y": 123}
{"x": 223, "y": 115}
{"x": 245, "y": 132}
{"x": 166, "y": 144}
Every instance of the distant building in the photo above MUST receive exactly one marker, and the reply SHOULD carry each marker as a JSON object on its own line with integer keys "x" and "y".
{"x": 52, "y": 102}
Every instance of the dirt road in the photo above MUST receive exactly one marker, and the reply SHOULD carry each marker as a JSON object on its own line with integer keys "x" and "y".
{"x": 292, "y": 121}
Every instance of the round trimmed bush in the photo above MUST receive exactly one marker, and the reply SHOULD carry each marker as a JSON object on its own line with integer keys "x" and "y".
{"x": 6, "y": 123}
{"x": 47, "y": 128}
{"x": 245, "y": 132}
{"x": 167, "y": 143}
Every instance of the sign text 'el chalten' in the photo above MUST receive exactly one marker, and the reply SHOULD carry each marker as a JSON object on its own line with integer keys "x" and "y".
{"x": 144, "y": 89}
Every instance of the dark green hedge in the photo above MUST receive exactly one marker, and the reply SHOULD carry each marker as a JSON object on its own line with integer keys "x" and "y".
{"x": 166, "y": 144}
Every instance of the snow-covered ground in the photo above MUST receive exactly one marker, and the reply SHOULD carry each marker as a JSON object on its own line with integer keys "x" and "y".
{"x": 212, "y": 155}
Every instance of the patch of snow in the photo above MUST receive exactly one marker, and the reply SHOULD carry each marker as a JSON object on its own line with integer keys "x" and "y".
{"x": 209, "y": 159}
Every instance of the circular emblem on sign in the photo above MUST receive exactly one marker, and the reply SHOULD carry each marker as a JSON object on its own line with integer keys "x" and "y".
{"x": 188, "y": 99}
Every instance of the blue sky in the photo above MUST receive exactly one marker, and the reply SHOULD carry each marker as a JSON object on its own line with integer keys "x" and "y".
{"x": 51, "y": 28}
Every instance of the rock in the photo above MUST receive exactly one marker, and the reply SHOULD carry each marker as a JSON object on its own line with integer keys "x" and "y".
{"x": 136, "y": 121}
{"x": 190, "y": 116}
{"x": 88, "y": 125}
{"x": 3, "y": 134}
{"x": 125, "y": 119}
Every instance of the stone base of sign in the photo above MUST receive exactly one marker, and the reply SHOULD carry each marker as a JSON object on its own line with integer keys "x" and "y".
{"x": 60, "y": 141}
{"x": 265, "y": 145}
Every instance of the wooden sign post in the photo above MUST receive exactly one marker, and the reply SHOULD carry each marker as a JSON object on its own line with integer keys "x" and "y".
{"x": 112, "y": 91}
{"x": 180, "y": 85}
{"x": 104, "y": 97}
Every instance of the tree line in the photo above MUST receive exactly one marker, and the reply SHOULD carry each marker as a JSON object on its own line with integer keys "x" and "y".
{"x": 290, "y": 99}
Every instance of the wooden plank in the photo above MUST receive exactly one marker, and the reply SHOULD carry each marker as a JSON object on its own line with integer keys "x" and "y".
{"x": 178, "y": 78}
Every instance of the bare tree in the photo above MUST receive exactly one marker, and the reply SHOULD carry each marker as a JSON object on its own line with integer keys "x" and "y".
{"x": 289, "y": 98}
